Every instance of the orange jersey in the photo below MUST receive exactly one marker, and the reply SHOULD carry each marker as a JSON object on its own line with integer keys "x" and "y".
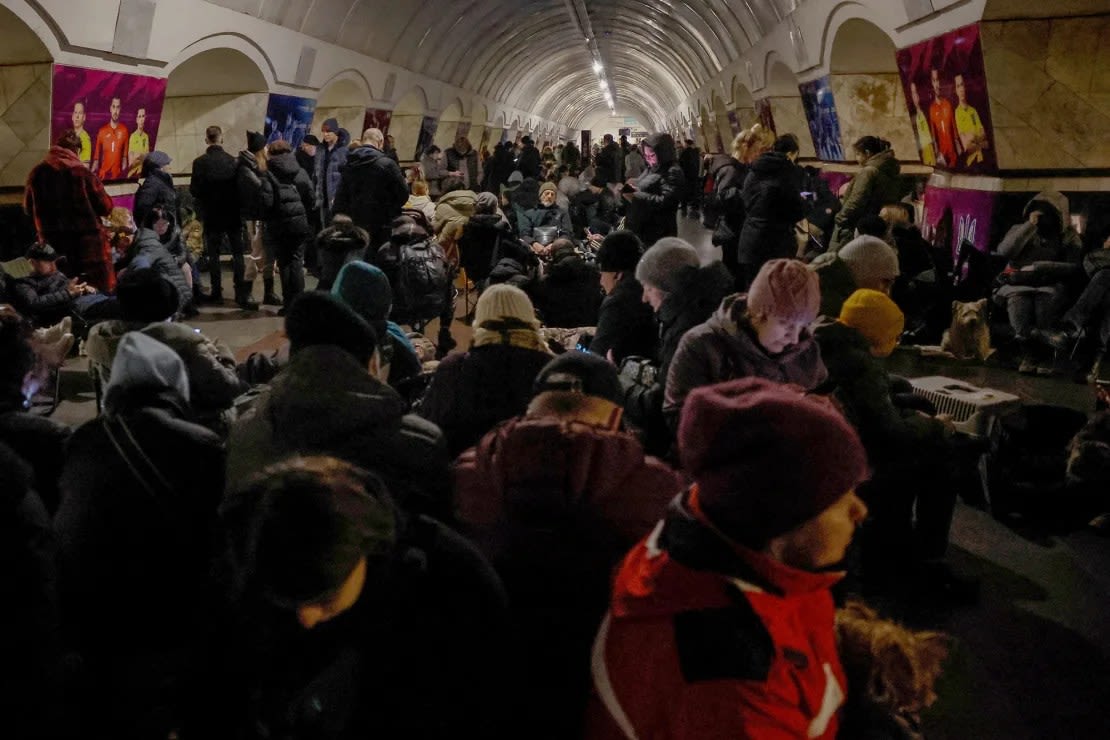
{"x": 111, "y": 151}
{"x": 942, "y": 120}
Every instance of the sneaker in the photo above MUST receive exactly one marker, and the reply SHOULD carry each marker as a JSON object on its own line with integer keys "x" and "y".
{"x": 54, "y": 355}
{"x": 53, "y": 334}
{"x": 1027, "y": 366}
{"x": 1064, "y": 336}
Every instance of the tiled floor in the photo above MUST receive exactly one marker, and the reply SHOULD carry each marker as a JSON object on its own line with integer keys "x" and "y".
{"x": 1032, "y": 659}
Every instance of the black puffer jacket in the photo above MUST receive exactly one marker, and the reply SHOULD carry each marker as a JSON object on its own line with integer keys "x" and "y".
{"x": 213, "y": 185}
{"x": 157, "y": 189}
{"x": 150, "y": 251}
{"x": 529, "y": 161}
{"x": 608, "y": 162}
{"x": 653, "y": 210}
{"x": 292, "y": 196}
{"x": 728, "y": 175}
{"x": 324, "y": 402}
{"x": 248, "y": 185}
{"x": 772, "y": 205}
{"x": 45, "y": 299}
{"x": 371, "y": 191}
{"x": 569, "y": 295}
{"x": 625, "y": 324}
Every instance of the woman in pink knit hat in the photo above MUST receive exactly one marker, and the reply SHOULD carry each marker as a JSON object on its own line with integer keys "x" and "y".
{"x": 763, "y": 333}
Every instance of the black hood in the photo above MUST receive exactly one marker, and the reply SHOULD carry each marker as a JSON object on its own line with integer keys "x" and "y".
{"x": 772, "y": 163}
{"x": 663, "y": 146}
{"x": 364, "y": 156}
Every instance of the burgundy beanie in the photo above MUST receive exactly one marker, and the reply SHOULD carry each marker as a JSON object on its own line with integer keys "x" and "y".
{"x": 765, "y": 457}
{"x": 786, "y": 289}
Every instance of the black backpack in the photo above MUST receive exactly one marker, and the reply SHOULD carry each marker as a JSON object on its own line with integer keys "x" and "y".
{"x": 423, "y": 280}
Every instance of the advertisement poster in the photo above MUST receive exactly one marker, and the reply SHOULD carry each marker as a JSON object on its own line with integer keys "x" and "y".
{"x": 463, "y": 130}
{"x": 288, "y": 118}
{"x": 763, "y": 113}
{"x": 377, "y": 118}
{"x": 957, "y": 215}
{"x": 115, "y": 115}
{"x": 734, "y": 123}
{"x": 824, "y": 126}
{"x": 946, "y": 93}
{"x": 428, "y": 128}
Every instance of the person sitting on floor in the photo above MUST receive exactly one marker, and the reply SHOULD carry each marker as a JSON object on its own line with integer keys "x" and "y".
{"x": 47, "y": 295}
{"x": 721, "y": 622}
{"x": 568, "y": 295}
{"x": 764, "y": 333}
{"x": 625, "y": 324}
{"x": 866, "y": 262}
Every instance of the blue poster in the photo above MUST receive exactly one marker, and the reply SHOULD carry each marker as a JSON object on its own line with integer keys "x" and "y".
{"x": 288, "y": 118}
{"x": 824, "y": 126}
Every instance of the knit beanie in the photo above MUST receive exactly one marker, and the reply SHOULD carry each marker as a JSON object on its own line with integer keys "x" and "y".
{"x": 876, "y": 317}
{"x": 364, "y": 288}
{"x": 144, "y": 295}
{"x": 620, "y": 251}
{"x": 516, "y": 177}
{"x": 256, "y": 142}
{"x": 661, "y": 264}
{"x": 581, "y": 372}
{"x": 765, "y": 457}
{"x": 869, "y": 259}
{"x": 503, "y": 301}
{"x": 317, "y": 318}
{"x": 485, "y": 203}
{"x": 548, "y": 186}
{"x": 330, "y": 125}
{"x": 786, "y": 289}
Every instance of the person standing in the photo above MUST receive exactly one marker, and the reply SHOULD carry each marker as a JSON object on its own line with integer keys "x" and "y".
{"x": 608, "y": 162}
{"x": 655, "y": 196}
{"x": 66, "y": 201}
{"x": 110, "y": 153}
{"x": 306, "y": 158}
{"x": 157, "y": 187}
{"x": 772, "y": 206}
{"x": 689, "y": 159}
{"x": 253, "y": 207}
{"x": 372, "y": 188}
{"x": 529, "y": 161}
{"x": 138, "y": 146}
{"x": 214, "y": 188}
{"x": 330, "y": 159}
{"x": 286, "y": 230}
{"x": 462, "y": 159}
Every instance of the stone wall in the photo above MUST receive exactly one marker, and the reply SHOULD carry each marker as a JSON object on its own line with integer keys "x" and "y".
{"x": 24, "y": 120}
{"x": 181, "y": 132}
{"x": 873, "y": 105}
{"x": 1049, "y": 85}
{"x": 790, "y": 118}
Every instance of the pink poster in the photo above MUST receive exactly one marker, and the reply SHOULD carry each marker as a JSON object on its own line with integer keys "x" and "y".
{"x": 377, "y": 118}
{"x": 946, "y": 92}
{"x": 115, "y": 115}
{"x": 957, "y": 215}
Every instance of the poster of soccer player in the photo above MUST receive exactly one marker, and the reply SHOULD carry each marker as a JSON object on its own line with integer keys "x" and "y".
{"x": 115, "y": 115}
{"x": 376, "y": 118}
{"x": 428, "y": 128}
{"x": 288, "y": 118}
{"x": 824, "y": 125}
{"x": 946, "y": 93}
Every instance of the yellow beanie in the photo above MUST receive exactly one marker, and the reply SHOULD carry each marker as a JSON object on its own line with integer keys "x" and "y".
{"x": 876, "y": 317}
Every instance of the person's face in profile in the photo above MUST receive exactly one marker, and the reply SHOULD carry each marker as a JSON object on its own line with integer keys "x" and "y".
{"x": 78, "y": 116}
{"x": 115, "y": 109}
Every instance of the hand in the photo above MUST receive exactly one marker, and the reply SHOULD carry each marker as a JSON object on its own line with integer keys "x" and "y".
{"x": 540, "y": 249}
{"x": 947, "y": 422}
{"x": 1034, "y": 217}
{"x": 75, "y": 287}
{"x": 609, "y": 356}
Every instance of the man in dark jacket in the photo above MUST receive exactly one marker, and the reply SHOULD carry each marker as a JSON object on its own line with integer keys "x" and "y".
{"x": 528, "y": 163}
{"x": 655, "y": 196}
{"x": 372, "y": 188}
{"x": 355, "y": 618}
{"x": 66, "y": 202}
{"x": 683, "y": 295}
{"x": 47, "y": 296}
{"x": 772, "y": 205}
{"x": 625, "y": 324}
{"x": 568, "y": 296}
{"x": 463, "y": 159}
{"x": 153, "y": 248}
{"x": 554, "y": 498}
{"x": 608, "y": 162}
{"x": 689, "y": 159}
{"x": 157, "y": 187}
{"x": 286, "y": 228}
{"x": 214, "y": 188}
{"x": 331, "y": 156}
{"x": 726, "y": 207}
{"x": 140, "y": 489}
{"x": 330, "y": 399}
{"x": 546, "y": 213}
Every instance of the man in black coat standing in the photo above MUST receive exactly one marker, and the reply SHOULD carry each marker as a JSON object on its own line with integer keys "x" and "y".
{"x": 690, "y": 161}
{"x": 214, "y": 188}
{"x": 609, "y": 160}
{"x": 529, "y": 161}
{"x": 372, "y": 188}
{"x": 654, "y": 199}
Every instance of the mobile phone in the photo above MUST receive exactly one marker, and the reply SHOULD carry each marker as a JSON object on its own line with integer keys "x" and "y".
{"x": 628, "y": 189}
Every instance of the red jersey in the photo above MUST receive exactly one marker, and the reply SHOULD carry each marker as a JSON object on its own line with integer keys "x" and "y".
{"x": 111, "y": 151}
{"x": 942, "y": 119}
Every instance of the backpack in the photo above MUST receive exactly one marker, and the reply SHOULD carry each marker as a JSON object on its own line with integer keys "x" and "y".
{"x": 418, "y": 216}
{"x": 423, "y": 280}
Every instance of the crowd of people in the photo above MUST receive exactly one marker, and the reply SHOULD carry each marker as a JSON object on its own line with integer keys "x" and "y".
{"x": 648, "y": 535}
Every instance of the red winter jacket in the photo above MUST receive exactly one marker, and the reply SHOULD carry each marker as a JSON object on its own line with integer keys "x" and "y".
{"x": 707, "y": 640}
{"x": 63, "y": 195}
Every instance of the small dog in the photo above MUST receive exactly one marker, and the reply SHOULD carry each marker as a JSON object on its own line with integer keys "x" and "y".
{"x": 969, "y": 336}
{"x": 891, "y": 670}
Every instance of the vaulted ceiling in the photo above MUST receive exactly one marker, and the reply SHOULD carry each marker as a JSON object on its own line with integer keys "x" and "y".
{"x": 535, "y": 54}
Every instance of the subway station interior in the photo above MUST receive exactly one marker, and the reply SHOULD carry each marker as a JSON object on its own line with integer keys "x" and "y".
{"x": 987, "y": 110}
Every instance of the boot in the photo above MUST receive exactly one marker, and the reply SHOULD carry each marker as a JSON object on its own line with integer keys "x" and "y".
{"x": 269, "y": 298}
{"x": 243, "y": 296}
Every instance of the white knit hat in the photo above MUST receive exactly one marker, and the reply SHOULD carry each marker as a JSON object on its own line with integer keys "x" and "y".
{"x": 503, "y": 301}
{"x": 661, "y": 264}
{"x": 869, "y": 259}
